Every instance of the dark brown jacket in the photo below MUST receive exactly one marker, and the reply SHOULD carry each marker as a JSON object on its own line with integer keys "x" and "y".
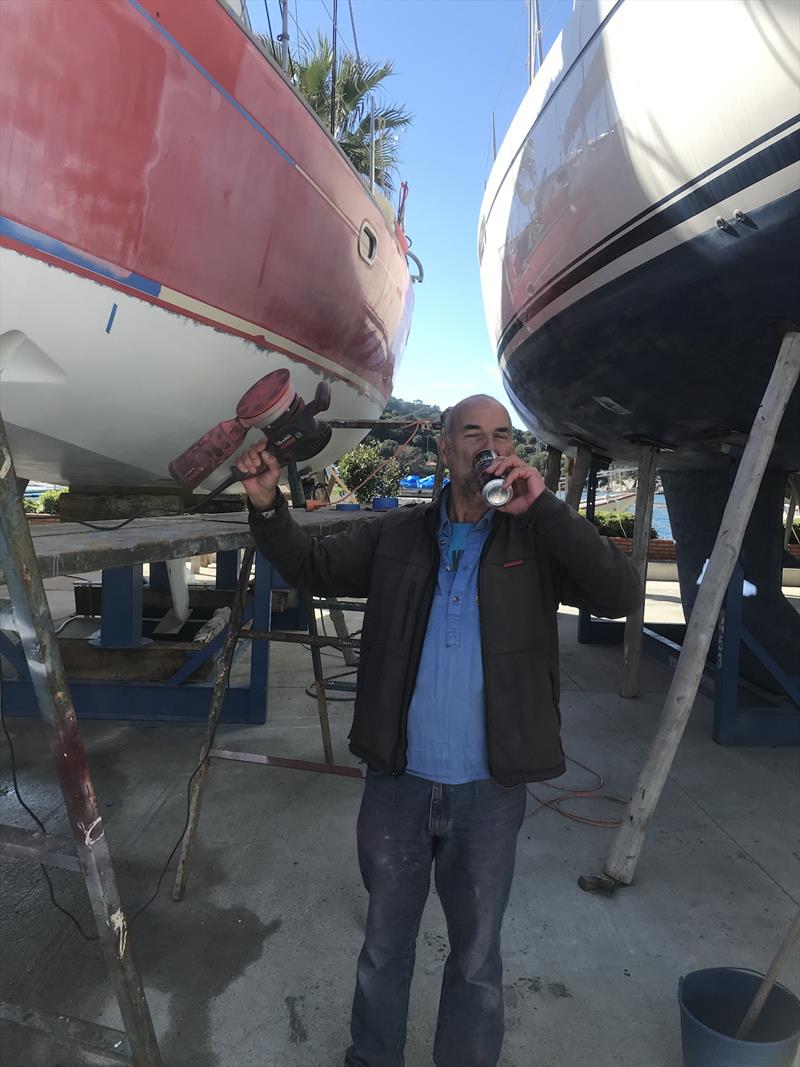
{"x": 529, "y": 565}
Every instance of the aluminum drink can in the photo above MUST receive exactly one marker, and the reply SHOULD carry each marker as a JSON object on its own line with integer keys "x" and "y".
{"x": 493, "y": 492}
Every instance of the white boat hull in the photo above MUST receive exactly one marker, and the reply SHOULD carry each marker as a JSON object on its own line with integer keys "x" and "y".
{"x": 91, "y": 403}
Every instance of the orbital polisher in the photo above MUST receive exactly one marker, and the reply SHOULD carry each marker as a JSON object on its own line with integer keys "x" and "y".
{"x": 272, "y": 406}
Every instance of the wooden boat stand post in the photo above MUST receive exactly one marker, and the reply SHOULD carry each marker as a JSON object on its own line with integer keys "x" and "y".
{"x": 553, "y": 470}
{"x": 583, "y": 460}
{"x": 87, "y": 851}
{"x": 627, "y": 846}
{"x": 342, "y": 642}
{"x": 643, "y": 520}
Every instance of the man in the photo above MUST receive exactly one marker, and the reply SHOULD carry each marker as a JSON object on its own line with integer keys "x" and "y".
{"x": 457, "y": 708}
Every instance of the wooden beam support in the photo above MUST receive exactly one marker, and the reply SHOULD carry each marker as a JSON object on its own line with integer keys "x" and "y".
{"x": 583, "y": 459}
{"x": 645, "y": 488}
{"x": 553, "y": 472}
{"x": 629, "y": 840}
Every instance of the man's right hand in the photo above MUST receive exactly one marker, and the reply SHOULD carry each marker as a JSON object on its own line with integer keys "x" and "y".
{"x": 263, "y": 489}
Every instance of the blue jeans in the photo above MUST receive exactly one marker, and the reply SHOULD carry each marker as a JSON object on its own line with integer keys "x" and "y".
{"x": 469, "y": 834}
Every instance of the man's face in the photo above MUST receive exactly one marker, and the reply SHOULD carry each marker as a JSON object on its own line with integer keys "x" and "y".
{"x": 476, "y": 425}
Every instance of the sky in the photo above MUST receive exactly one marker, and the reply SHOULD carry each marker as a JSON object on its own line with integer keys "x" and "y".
{"x": 456, "y": 62}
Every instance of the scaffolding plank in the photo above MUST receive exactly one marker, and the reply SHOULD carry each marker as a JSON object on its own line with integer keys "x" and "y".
{"x": 70, "y": 548}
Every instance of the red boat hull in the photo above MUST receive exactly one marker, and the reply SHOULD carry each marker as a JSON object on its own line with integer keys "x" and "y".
{"x": 153, "y": 148}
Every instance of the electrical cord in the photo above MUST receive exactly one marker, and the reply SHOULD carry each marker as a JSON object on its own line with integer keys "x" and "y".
{"x": 311, "y": 690}
{"x": 568, "y": 793}
{"x": 42, "y": 827}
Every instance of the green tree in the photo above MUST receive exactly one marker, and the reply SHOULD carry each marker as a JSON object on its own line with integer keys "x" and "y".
{"x": 48, "y": 501}
{"x": 358, "y": 81}
{"x": 367, "y": 474}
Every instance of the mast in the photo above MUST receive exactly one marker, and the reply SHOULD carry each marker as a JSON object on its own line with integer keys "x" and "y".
{"x": 333, "y": 67}
{"x": 534, "y": 38}
{"x": 284, "y": 37}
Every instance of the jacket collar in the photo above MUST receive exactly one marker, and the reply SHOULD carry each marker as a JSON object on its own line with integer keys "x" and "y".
{"x": 444, "y": 523}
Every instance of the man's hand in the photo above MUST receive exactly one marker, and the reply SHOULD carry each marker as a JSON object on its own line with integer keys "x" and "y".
{"x": 527, "y": 483}
{"x": 263, "y": 490}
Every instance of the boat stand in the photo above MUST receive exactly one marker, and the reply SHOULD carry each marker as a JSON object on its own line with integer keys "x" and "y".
{"x": 87, "y": 850}
{"x": 744, "y": 713}
{"x": 722, "y": 565}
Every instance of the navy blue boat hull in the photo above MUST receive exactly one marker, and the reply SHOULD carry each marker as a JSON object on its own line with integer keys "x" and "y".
{"x": 678, "y": 350}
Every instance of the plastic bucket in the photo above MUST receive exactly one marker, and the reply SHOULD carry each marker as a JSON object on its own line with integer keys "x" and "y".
{"x": 713, "y": 1003}
{"x": 348, "y": 507}
{"x": 384, "y": 503}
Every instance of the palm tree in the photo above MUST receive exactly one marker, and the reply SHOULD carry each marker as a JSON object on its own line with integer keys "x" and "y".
{"x": 357, "y": 81}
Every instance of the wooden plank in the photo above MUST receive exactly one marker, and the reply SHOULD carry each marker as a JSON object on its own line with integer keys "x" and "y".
{"x": 154, "y": 662}
{"x": 70, "y": 548}
{"x": 553, "y": 473}
{"x": 583, "y": 459}
{"x": 627, "y": 846}
{"x": 645, "y": 488}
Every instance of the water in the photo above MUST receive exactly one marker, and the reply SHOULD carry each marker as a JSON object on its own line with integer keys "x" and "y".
{"x": 660, "y": 516}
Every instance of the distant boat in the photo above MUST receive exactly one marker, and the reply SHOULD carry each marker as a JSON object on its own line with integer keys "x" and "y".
{"x": 175, "y": 222}
{"x": 639, "y": 233}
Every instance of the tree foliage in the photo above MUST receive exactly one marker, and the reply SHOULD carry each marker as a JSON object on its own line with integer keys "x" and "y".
{"x": 359, "y": 471}
{"x": 48, "y": 501}
{"x": 358, "y": 81}
{"x": 420, "y": 454}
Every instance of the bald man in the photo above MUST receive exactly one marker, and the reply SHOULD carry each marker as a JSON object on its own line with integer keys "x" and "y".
{"x": 457, "y": 708}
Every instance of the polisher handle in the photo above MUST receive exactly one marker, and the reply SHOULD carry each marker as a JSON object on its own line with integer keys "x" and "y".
{"x": 203, "y": 457}
{"x": 322, "y": 399}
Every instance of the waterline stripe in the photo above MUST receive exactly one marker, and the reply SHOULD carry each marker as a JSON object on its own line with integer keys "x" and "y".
{"x": 180, "y": 302}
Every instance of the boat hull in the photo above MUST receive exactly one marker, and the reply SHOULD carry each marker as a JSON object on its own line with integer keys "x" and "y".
{"x": 174, "y": 224}
{"x": 639, "y": 232}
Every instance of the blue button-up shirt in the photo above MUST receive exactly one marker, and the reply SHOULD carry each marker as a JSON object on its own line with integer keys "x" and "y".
{"x": 447, "y": 718}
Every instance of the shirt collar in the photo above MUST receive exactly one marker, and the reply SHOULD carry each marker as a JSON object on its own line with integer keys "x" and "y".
{"x": 446, "y": 526}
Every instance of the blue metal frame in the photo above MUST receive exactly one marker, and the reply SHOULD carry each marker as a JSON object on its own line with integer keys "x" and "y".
{"x": 765, "y": 719}
{"x": 171, "y": 700}
{"x": 121, "y": 624}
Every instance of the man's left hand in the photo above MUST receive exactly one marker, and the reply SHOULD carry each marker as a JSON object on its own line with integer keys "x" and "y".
{"x": 527, "y": 483}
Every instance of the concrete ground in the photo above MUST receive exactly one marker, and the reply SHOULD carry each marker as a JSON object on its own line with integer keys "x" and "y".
{"x": 255, "y": 967}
